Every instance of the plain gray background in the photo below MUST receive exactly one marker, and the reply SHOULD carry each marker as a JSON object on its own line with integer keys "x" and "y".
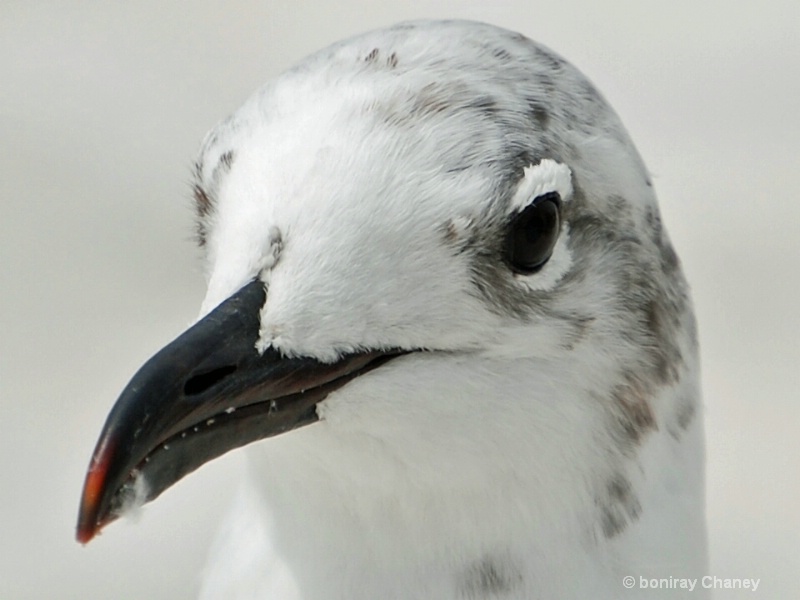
{"x": 102, "y": 107}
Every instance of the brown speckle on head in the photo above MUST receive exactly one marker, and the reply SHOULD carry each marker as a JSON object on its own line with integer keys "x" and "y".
{"x": 668, "y": 258}
{"x": 202, "y": 201}
{"x": 649, "y": 288}
{"x": 432, "y": 99}
{"x": 540, "y": 115}
{"x": 203, "y": 207}
{"x": 665, "y": 353}
{"x": 634, "y": 413}
{"x": 501, "y": 54}
{"x": 204, "y": 194}
{"x": 391, "y": 62}
{"x": 552, "y": 60}
{"x": 436, "y": 99}
{"x": 372, "y": 56}
{"x": 450, "y": 232}
{"x": 225, "y": 162}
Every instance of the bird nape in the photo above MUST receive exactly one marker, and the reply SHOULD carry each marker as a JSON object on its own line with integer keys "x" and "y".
{"x": 439, "y": 284}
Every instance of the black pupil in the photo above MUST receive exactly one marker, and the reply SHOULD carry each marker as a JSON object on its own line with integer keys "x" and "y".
{"x": 533, "y": 234}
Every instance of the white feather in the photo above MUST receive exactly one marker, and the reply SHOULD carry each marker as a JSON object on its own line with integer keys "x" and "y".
{"x": 361, "y": 207}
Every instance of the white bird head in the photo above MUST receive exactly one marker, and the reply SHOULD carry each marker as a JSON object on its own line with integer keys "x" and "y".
{"x": 436, "y": 250}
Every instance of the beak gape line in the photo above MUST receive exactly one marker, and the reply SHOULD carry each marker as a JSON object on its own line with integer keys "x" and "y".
{"x": 206, "y": 393}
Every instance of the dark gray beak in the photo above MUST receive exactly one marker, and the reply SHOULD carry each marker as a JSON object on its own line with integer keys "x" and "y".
{"x": 206, "y": 393}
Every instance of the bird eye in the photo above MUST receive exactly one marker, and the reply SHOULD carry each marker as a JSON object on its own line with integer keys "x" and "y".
{"x": 532, "y": 234}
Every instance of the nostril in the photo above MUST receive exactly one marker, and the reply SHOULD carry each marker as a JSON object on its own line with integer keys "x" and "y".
{"x": 197, "y": 384}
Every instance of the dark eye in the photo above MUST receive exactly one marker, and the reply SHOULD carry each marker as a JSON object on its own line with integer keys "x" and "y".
{"x": 532, "y": 234}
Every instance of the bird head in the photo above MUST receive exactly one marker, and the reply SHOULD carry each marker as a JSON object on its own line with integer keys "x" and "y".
{"x": 435, "y": 250}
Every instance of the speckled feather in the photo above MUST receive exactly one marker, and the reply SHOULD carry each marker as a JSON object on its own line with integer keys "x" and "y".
{"x": 549, "y": 441}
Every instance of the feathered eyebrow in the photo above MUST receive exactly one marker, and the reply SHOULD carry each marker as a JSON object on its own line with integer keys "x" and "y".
{"x": 546, "y": 176}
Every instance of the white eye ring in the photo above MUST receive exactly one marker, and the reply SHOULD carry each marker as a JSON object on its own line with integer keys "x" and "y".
{"x": 538, "y": 180}
{"x": 547, "y": 177}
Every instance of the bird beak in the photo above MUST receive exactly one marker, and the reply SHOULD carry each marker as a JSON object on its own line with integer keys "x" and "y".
{"x": 206, "y": 393}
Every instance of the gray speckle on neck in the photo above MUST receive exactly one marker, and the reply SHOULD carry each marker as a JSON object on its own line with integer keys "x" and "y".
{"x": 492, "y": 577}
{"x": 685, "y": 412}
{"x": 618, "y": 507}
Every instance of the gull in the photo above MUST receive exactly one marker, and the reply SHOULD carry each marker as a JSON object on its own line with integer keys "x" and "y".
{"x": 446, "y": 319}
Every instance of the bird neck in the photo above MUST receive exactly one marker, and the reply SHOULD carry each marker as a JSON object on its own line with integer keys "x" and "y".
{"x": 353, "y": 521}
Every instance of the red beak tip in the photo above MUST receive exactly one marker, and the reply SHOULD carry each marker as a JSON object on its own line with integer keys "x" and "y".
{"x": 89, "y": 524}
{"x": 85, "y": 535}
